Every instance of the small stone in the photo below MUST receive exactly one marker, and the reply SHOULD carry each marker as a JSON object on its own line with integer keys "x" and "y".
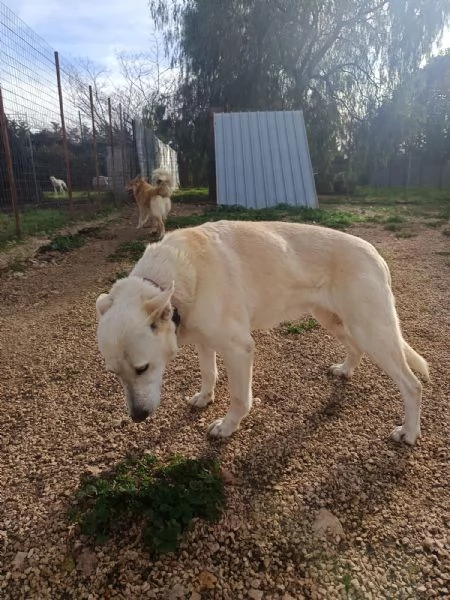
{"x": 325, "y": 523}
{"x": 86, "y": 562}
{"x": 178, "y": 591}
{"x": 19, "y": 561}
{"x": 255, "y": 594}
{"x": 428, "y": 543}
{"x": 93, "y": 470}
{"x": 207, "y": 580}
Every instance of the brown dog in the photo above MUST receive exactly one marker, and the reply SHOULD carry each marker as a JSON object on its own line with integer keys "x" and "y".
{"x": 153, "y": 201}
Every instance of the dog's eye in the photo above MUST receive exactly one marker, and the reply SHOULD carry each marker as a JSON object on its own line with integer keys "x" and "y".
{"x": 140, "y": 370}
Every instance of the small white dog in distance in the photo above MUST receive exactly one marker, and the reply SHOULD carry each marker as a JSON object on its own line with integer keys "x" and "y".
{"x": 226, "y": 279}
{"x": 58, "y": 185}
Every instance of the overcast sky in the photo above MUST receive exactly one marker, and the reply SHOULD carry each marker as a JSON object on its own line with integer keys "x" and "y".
{"x": 88, "y": 28}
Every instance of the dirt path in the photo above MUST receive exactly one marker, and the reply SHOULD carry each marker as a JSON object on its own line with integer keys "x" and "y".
{"x": 310, "y": 442}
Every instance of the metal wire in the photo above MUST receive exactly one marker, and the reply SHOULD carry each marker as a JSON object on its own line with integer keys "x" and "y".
{"x": 28, "y": 80}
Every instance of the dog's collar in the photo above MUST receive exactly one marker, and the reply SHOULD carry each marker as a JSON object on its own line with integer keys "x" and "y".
{"x": 175, "y": 314}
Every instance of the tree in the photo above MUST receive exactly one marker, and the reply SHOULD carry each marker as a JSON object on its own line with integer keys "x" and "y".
{"x": 414, "y": 121}
{"x": 331, "y": 58}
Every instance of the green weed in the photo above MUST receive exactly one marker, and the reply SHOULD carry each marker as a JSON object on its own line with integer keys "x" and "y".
{"x": 282, "y": 212}
{"x": 131, "y": 251}
{"x": 118, "y": 275}
{"x": 163, "y": 496}
{"x": 64, "y": 243}
{"x": 406, "y": 234}
{"x": 301, "y": 326}
{"x": 17, "y": 265}
{"x": 193, "y": 195}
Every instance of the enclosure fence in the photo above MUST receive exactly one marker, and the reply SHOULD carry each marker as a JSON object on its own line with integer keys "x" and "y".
{"x": 411, "y": 173}
{"x": 60, "y": 142}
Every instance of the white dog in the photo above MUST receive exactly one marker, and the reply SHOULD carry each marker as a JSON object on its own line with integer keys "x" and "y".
{"x": 224, "y": 280}
{"x": 58, "y": 185}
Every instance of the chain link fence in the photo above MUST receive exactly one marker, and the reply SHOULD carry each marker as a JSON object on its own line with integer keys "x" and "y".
{"x": 60, "y": 144}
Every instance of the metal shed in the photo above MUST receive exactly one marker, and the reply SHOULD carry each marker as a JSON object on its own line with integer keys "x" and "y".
{"x": 262, "y": 159}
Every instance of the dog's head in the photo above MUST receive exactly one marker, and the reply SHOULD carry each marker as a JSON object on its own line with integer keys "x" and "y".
{"x": 137, "y": 338}
{"x": 134, "y": 185}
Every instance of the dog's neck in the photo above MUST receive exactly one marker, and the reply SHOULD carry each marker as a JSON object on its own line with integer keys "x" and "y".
{"x": 165, "y": 262}
{"x": 175, "y": 314}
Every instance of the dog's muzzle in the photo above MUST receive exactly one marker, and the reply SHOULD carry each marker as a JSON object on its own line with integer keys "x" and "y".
{"x": 138, "y": 415}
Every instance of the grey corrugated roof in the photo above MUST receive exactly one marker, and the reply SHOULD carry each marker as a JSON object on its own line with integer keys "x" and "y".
{"x": 262, "y": 159}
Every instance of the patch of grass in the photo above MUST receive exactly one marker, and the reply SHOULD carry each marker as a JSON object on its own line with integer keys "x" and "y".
{"x": 118, "y": 275}
{"x": 435, "y": 224}
{"x": 393, "y": 226}
{"x": 163, "y": 496}
{"x": 45, "y": 221}
{"x": 395, "y": 219}
{"x": 17, "y": 265}
{"x": 407, "y": 203}
{"x": 443, "y": 253}
{"x": 128, "y": 251}
{"x": 64, "y": 243}
{"x": 406, "y": 234}
{"x": 301, "y": 326}
{"x": 193, "y": 195}
{"x": 50, "y": 195}
{"x": 347, "y": 581}
{"x": 32, "y": 222}
{"x": 446, "y": 231}
{"x": 282, "y": 212}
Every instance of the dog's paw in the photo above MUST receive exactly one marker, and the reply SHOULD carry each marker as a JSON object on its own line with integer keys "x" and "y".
{"x": 222, "y": 428}
{"x": 341, "y": 370}
{"x": 400, "y": 434}
{"x": 201, "y": 400}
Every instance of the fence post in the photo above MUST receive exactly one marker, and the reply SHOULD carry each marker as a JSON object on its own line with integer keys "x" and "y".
{"x": 111, "y": 141}
{"x": 33, "y": 167}
{"x": 122, "y": 144}
{"x": 64, "y": 133}
{"x": 9, "y": 165}
{"x": 94, "y": 140}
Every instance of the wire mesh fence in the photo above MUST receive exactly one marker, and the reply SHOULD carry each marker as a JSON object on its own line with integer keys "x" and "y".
{"x": 60, "y": 143}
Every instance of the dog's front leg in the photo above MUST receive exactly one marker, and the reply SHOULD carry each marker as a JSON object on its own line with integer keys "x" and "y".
{"x": 208, "y": 370}
{"x": 238, "y": 361}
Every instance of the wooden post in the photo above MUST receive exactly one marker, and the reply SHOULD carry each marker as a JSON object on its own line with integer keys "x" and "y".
{"x": 94, "y": 139}
{"x": 9, "y": 165}
{"x": 122, "y": 145}
{"x": 64, "y": 133}
{"x": 111, "y": 142}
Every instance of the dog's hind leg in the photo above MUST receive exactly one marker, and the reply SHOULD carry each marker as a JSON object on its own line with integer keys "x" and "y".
{"x": 140, "y": 224}
{"x": 378, "y": 334}
{"x": 238, "y": 360}
{"x": 334, "y": 325}
{"x": 208, "y": 370}
{"x": 161, "y": 230}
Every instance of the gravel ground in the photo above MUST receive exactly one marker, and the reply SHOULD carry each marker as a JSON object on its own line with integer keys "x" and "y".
{"x": 310, "y": 443}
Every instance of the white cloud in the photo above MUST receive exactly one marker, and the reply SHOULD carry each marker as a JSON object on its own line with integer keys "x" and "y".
{"x": 95, "y": 29}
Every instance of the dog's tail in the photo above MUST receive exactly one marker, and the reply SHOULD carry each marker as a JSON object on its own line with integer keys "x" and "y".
{"x": 415, "y": 361}
{"x": 162, "y": 176}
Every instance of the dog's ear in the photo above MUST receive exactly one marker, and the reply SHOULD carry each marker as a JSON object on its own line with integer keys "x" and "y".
{"x": 159, "y": 307}
{"x": 103, "y": 303}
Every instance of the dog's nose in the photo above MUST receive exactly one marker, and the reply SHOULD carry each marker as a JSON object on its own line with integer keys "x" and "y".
{"x": 139, "y": 414}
